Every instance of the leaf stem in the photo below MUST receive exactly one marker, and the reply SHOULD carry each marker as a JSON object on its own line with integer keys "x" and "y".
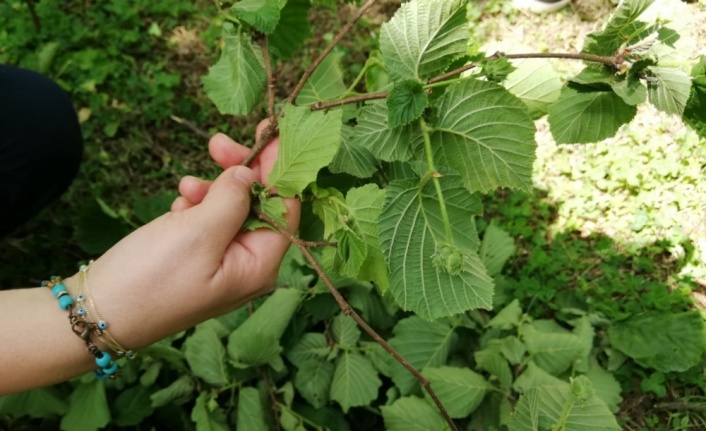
{"x": 348, "y": 311}
{"x": 435, "y": 177}
{"x": 355, "y": 99}
{"x": 315, "y": 64}
{"x": 350, "y": 91}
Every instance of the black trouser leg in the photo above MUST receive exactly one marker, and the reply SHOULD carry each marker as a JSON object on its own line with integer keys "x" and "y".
{"x": 40, "y": 144}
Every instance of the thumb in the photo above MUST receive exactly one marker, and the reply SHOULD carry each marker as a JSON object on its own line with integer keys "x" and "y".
{"x": 226, "y": 206}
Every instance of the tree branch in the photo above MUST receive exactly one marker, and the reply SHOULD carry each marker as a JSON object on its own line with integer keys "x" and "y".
{"x": 293, "y": 97}
{"x": 355, "y": 99}
{"x": 270, "y": 131}
{"x": 193, "y": 127}
{"x": 348, "y": 311}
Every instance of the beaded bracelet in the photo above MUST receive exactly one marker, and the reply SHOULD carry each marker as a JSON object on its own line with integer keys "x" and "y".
{"x": 82, "y": 328}
{"x": 90, "y": 314}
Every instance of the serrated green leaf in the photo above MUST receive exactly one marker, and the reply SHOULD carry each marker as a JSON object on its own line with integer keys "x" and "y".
{"x": 671, "y": 91}
{"x": 37, "y": 403}
{"x": 405, "y": 103}
{"x": 537, "y": 84}
{"x": 275, "y": 208}
{"x": 96, "y": 231}
{"x": 205, "y": 354}
{"x": 326, "y": 83}
{"x": 485, "y": 133}
{"x": 370, "y": 305}
{"x": 149, "y": 208}
{"x": 621, "y": 25}
{"x": 385, "y": 143}
{"x": 293, "y": 29}
{"x": 585, "y": 333}
{"x": 605, "y": 385}
{"x": 313, "y": 381}
{"x": 534, "y": 377}
{"x": 308, "y": 142}
{"x": 665, "y": 342}
{"x": 345, "y": 331}
{"x": 236, "y": 82}
{"x": 544, "y": 407}
{"x": 178, "y": 389}
{"x": 348, "y": 256}
{"x": 311, "y": 346}
{"x": 376, "y": 78}
{"x": 508, "y": 317}
{"x": 491, "y": 360}
{"x": 88, "y": 408}
{"x": 423, "y": 344}
{"x": 512, "y": 349}
{"x": 584, "y": 117}
{"x": 132, "y": 406}
{"x": 553, "y": 352}
{"x": 411, "y": 233}
{"x": 352, "y": 158}
{"x": 261, "y": 14}
{"x": 256, "y": 341}
{"x": 460, "y": 390}
{"x": 497, "y": 247}
{"x": 207, "y": 418}
{"x": 355, "y": 382}
{"x": 251, "y": 414}
{"x": 695, "y": 111}
{"x": 633, "y": 92}
{"x": 423, "y": 37}
{"x": 412, "y": 413}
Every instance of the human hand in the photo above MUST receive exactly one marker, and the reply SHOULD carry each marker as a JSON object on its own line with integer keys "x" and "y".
{"x": 194, "y": 262}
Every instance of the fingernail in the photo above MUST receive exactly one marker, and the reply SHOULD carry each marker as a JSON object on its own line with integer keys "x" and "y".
{"x": 244, "y": 174}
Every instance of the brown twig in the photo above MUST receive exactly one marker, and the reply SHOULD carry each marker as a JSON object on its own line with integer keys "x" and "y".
{"x": 270, "y": 131}
{"x": 608, "y": 61}
{"x": 273, "y": 398}
{"x": 355, "y": 99}
{"x": 315, "y": 64}
{"x": 33, "y": 14}
{"x": 194, "y": 128}
{"x": 348, "y": 311}
{"x": 313, "y": 244}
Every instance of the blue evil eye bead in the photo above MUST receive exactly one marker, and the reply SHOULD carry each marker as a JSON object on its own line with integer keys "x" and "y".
{"x": 83, "y": 268}
{"x": 65, "y": 302}
{"x": 80, "y": 298}
{"x": 81, "y": 311}
{"x": 111, "y": 370}
{"x": 130, "y": 354}
{"x": 104, "y": 360}
{"x": 56, "y": 290}
{"x": 102, "y": 325}
{"x": 44, "y": 283}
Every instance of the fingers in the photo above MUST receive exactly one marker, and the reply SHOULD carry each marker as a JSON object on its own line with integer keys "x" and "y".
{"x": 266, "y": 160}
{"x": 193, "y": 189}
{"x": 226, "y": 152}
{"x": 181, "y": 204}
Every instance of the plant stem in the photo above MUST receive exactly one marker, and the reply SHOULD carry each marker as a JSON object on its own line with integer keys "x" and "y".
{"x": 190, "y": 125}
{"x": 435, "y": 177}
{"x": 270, "y": 131}
{"x": 315, "y": 64}
{"x": 355, "y": 99}
{"x": 351, "y": 89}
{"x": 348, "y": 311}
{"x": 608, "y": 61}
{"x": 33, "y": 14}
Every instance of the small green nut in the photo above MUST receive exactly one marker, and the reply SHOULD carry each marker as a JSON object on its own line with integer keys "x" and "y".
{"x": 582, "y": 388}
{"x": 449, "y": 258}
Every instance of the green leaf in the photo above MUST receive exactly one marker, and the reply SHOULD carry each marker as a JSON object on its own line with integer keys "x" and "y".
{"x": 132, "y": 406}
{"x": 584, "y": 117}
{"x": 312, "y": 345}
{"x": 621, "y": 25}
{"x": 352, "y": 158}
{"x": 497, "y": 247}
{"x": 96, "y": 231}
{"x": 308, "y": 142}
{"x": 256, "y": 341}
{"x": 275, "y": 208}
{"x": 671, "y": 91}
{"x": 665, "y": 342}
{"x": 553, "y": 352}
{"x": 460, "y": 390}
{"x": 534, "y": 377}
{"x": 497, "y": 69}
{"x": 37, "y": 403}
{"x": 261, "y": 14}
{"x": 345, "y": 331}
{"x": 405, "y": 103}
{"x": 363, "y": 297}
{"x": 423, "y": 38}
{"x": 355, "y": 381}
{"x": 412, "y": 413}
{"x": 313, "y": 381}
{"x": 630, "y": 90}
{"x": 485, "y": 133}
{"x": 605, "y": 385}
{"x": 491, "y": 360}
{"x": 236, "y": 82}
{"x": 556, "y": 406}
{"x": 376, "y": 77}
{"x": 508, "y": 317}
{"x": 205, "y": 354}
{"x": 206, "y": 417}
{"x": 326, "y": 83}
{"x": 251, "y": 415}
{"x": 385, "y": 143}
{"x": 411, "y": 234}
{"x": 149, "y": 208}
{"x": 537, "y": 84}
{"x": 695, "y": 111}
{"x": 88, "y": 408}
{"x": 293, "y": 29}
{"x": 180, "y": 388}
{"x": 512, "y": 349}
{"x": 423, "y": 344}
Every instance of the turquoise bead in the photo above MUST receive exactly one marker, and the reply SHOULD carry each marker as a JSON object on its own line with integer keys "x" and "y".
{"x": 66, "y": 302}
{"x": 104, "y": 360}
{"x": 56, "y": 290}
{"x": 111, "y": 370}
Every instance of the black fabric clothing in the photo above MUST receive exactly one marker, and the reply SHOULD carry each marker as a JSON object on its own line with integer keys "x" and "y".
{"x": 40, "y": 144}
